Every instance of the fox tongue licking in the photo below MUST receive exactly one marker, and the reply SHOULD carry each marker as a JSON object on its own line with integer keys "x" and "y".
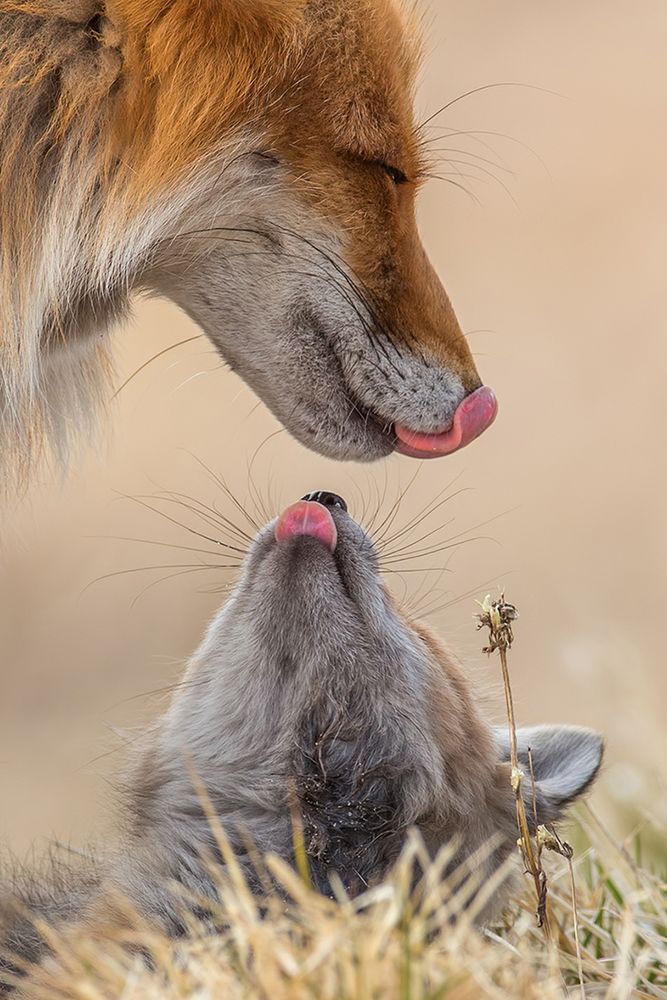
{"x": 473, "y": 415}
{"x": 307, "y": 518}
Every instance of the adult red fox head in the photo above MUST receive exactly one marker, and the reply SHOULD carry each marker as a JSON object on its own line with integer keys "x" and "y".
{"x": 257, "y": 162}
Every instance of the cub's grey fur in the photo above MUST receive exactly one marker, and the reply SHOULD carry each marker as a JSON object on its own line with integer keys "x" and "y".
{"x": 311, "y": 688}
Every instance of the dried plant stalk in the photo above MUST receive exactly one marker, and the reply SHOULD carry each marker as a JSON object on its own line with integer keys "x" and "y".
{"x": 497, "y": 617}
{"x": 550, "y": 841}
{"x": 298, "y": 838}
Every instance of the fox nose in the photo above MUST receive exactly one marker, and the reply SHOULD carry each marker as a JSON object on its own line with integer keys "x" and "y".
{"x": 326, "y": 499}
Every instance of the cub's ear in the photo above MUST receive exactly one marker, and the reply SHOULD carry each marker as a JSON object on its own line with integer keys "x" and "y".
{"x": 566, "y": 761}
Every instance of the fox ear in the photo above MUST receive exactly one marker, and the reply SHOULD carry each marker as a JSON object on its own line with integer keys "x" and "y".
{"x": 565, "y": 763}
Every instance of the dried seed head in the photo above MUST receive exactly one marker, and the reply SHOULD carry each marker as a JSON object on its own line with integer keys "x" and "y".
{"x": 497, "y": 616}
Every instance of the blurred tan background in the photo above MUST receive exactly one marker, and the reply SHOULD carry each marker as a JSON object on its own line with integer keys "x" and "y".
{"x": 556, "y": 263}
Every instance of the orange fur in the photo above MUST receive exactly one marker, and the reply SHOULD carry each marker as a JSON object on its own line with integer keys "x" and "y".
{"x": 125, "y": 99}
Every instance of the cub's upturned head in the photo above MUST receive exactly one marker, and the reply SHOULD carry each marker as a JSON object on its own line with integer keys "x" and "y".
{"x": 312, "y": 702}
{"x": 312, "y": 691}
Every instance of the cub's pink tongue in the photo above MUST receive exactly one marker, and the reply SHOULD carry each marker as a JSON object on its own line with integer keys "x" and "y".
{"x": 473, "y": 415}
{"x": 307, "y": 518}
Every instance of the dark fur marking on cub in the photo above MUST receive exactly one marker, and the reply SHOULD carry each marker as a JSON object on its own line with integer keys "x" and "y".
{"x": 348, "y": 784}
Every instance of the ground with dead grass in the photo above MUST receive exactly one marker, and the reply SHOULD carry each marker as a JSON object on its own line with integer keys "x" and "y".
{"x": 393, "y": 943}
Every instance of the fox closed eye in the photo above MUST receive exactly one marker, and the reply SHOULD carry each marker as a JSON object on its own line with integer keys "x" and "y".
{"x": 396, "y": 175}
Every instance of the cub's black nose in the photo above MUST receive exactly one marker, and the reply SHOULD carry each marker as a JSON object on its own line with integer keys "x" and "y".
{"x": 326, "y": 499}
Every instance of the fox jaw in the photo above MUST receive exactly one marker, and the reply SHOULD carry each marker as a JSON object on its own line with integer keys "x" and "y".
{"x": 256, "y": 162}
{"x": 311, "y": 691}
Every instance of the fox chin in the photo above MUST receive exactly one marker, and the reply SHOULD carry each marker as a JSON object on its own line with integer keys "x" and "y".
{"x": 254, "y": 161}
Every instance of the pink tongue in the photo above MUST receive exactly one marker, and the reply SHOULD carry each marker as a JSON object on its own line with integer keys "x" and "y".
{"x": 307, "y": 518}
{"x": 474, "y": 414}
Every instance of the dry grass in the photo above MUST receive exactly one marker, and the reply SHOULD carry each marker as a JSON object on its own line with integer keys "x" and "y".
{"x": 392, "y": 943}
{"x": 602, "y": 931}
